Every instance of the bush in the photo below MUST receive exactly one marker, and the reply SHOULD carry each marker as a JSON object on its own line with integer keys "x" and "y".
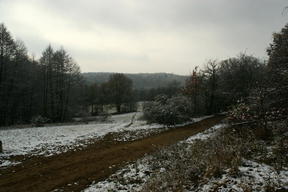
{"x": 240, "y": 112}
{"x": 168, "y": 111}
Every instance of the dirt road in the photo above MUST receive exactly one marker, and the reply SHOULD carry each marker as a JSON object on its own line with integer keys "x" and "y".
{"x": 75, "y": 170}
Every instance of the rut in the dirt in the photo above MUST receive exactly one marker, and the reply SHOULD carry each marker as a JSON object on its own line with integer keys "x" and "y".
{"x": 74, "y": 171}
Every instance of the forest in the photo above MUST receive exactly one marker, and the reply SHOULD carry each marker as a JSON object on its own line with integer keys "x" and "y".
{"x": 54, "y": 89}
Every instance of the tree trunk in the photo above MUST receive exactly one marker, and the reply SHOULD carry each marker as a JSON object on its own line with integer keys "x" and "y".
{"x": 1, "y": 147}
{"x": 118, "y": 106}
{"x": 92, "y": 109}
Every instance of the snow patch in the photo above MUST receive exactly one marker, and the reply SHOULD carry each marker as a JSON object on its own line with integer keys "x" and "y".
{"x": 6, "y": 163}
{"x": 130, "y": 178}
{"x": 253, "y": 176}
{"x": 206, "y": 134}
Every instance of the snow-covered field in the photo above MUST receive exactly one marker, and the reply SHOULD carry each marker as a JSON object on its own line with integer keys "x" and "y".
{"x": 58, "y": 139}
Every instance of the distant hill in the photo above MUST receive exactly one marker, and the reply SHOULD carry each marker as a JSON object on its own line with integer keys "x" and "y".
{"x": 140, "y": 80}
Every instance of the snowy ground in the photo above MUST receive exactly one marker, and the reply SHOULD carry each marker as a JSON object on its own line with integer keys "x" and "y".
{"x": 133, "y": 176}
{"x": 252, "y": 176}
{"x": 205, "y": 134}
{"x": 58, "y": 139}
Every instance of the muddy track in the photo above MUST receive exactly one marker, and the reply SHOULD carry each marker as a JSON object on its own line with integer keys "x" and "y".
{"x": 75, "y": 170}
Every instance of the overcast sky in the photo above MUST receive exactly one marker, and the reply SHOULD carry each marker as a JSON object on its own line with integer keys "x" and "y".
{"x": 145, "y": 35}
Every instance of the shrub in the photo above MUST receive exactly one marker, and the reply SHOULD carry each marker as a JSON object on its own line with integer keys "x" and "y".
{"x": 240, "y": 112}
{"x": 168, "y": 111}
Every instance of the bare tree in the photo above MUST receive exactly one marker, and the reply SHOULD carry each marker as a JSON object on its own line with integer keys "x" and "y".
{"x": 211, "y": 77}
{"x": 120, "y": 90}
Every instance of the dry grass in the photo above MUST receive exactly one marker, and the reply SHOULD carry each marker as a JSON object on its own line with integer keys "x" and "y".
{"x": 186, "y": 166}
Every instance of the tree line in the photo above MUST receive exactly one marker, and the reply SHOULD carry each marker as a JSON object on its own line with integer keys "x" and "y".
{"x": 221, "y": 84}
{"x": 141, "y": 81}
{"x": 30, "y": 87}
{"x": 52, "y": 88}
{"x": 251, "y": 88}
{"x": 118, "y": 91}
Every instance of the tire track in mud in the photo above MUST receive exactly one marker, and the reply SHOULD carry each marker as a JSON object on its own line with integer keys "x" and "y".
{"x": 75, "y": 170}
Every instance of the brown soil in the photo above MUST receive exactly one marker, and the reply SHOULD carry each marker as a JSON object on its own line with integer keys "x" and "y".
{"x": 75, "y": 170}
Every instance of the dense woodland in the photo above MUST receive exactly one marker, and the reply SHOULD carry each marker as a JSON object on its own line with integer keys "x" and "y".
{"x": 54, "y": 89}
{"x": 29, "y": 88}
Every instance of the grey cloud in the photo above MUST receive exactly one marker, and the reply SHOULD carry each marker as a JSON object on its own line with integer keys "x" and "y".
{"x": 187, "y": 28}
{"x": 175, "y": 13}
